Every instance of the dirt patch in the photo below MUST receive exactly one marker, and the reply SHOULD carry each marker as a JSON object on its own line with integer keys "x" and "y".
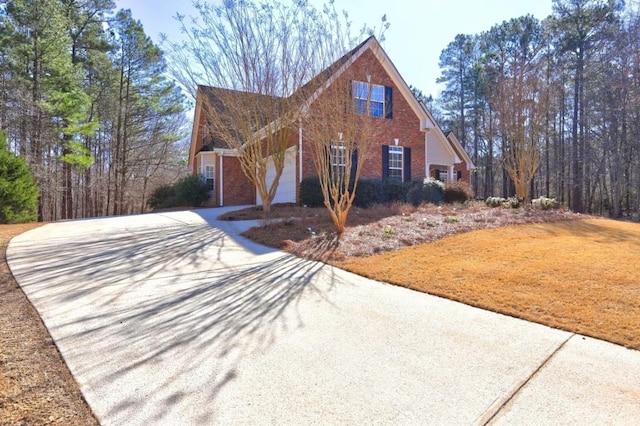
{"x": 36, "y": 387}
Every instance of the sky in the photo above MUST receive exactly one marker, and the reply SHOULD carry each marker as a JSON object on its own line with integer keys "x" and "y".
{"x": 419, "y": 31}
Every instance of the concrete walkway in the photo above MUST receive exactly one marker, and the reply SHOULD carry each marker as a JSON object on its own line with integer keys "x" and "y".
{"x": 175, "y": 319}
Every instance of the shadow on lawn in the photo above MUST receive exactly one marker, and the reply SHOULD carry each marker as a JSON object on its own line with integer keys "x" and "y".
{"x": 163, "y": 313}
{"x": 603, "y": 231}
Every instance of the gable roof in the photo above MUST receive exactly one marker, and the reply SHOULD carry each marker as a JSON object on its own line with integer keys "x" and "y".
{"x": 218, "y": 99}
{"x": 322, "y": 80}
{"x": 337, "y": 68}
{"x": 460, "y": 151}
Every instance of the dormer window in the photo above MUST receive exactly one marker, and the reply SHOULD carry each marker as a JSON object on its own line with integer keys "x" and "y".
{"x": 372, "y": 99}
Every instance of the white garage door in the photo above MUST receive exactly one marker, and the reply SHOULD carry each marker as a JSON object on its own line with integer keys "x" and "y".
{"x": 286, "y": 192}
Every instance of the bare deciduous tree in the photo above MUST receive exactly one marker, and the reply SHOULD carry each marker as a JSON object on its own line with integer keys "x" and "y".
{"x": 341, "y": 134}
{"x": 258, "y": 60}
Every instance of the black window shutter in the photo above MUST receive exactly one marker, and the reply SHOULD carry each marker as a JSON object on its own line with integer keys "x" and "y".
{"x": 388, "y": 102}
{"x": 407, "y": 164}
{"x": 459, "y": 174}
{"x": 350, "y": 106}
{"x": 354, "y": 165}
{"x": 437, "y": 174}
{"x": 329, "y": 161}
{"x": 385, "y": 161}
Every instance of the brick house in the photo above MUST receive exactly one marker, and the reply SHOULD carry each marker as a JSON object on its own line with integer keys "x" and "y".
{"x": 410, "y": 146}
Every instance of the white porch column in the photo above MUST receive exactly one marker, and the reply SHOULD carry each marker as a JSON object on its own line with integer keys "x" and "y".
{"x": 452, "y": 174}
{"x": 221, "y": 195}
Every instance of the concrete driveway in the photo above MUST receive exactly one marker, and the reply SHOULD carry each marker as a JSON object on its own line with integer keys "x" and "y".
{"x": 174, "y": 319}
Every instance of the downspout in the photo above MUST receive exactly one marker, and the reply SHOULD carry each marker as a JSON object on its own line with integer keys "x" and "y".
{"x": 221, "y": 183}
{"x": 427, "y": 166}
{"x": 300, "y": 150}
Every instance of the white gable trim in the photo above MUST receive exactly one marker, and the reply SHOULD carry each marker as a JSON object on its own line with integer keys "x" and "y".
{"x": 442, "y": 138}
{"x": 195, "y": 130}
{"x": 451, "y": 137}
{"x": 426, "y": 121}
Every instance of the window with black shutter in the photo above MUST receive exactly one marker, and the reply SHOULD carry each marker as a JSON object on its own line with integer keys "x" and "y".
{"x": 396, "y": 163}
{"x": 373, "y": 100}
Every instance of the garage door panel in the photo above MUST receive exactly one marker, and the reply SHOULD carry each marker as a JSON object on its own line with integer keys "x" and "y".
{"x": 286, "y": 192}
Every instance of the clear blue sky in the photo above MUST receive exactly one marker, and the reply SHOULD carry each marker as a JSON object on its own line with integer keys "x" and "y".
{"x": 419, "y": 31}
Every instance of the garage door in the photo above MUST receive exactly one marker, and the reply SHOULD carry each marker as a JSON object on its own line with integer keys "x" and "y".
{"x": 286, "y": 192}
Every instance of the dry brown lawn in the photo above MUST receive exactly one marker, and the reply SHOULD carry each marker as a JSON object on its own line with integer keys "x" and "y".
{"x": 581, "y": 276}
{"x": 569, "y": 271}
{"x": 36, "y": 387}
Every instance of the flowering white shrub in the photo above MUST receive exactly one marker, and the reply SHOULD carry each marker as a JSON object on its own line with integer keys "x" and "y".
{"x": 544, "y": 203}
{"x": 495, "y": 201}
{"x": 507, "y": 203}
{"x": 431, "y": 181}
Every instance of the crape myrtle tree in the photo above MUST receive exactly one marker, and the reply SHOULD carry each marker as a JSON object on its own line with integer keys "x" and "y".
{"x": 341, "y": 137}
{"x": 517, "y": 98}
{"x": 260, "y": 58}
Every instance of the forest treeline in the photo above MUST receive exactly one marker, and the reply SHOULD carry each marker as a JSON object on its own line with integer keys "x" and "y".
{"x": 554, "y": 103}
{"x": 544, "y": 107}
{"x": 85, "y": 100}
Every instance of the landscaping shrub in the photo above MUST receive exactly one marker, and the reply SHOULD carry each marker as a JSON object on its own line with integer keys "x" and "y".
{"x": 311, "y": 192}
{"x": 457, "y": 192}
{"x": 428, "y": 190}
{"x": 512, "y": 202}
{"x": 507, "y": 203}
{"x": 18, "y": 190}
{"x": 164, "y": 196}
{"x": 368, "y": 193}
{"x": 495, "y": 201}
{"x": 544, "y": 203}
{"x": 190, "y": 191}
{"x": 393, "y": 191}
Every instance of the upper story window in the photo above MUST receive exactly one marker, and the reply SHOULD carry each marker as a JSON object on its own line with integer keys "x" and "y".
{"x": 372, "y": 99}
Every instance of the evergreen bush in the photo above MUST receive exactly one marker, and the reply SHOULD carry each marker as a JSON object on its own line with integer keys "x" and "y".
{"x": 190, "y": 191}
{"x": 428, "y": 190}
{"x": 311, "y": 192}
{"x": 18, "y": 189}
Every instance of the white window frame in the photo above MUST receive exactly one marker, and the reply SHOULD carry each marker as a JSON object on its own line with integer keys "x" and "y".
{"x": 338, "y": 158}
{"x": 369, "y": 94}
{"x": 209, "y": 176}
{"x": 443, "y": 176}
{"x": 377, "y": 100}
{"x": 395, "y": 151}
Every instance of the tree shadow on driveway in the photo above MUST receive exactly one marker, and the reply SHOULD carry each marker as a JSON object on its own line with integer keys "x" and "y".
{"x": 153, "y": 323}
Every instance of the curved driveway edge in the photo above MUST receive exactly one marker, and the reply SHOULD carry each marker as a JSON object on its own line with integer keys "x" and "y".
{"x": 175, "y": 319}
